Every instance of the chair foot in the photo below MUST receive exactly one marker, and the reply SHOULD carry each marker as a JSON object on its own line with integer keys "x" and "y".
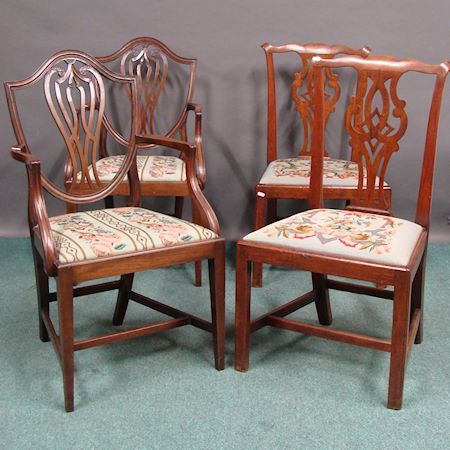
{"x": 43, "y": 336}
{"x": 219, "y": 363}
{"x": 68, "y": 398}
{"x": 240, "y": 368}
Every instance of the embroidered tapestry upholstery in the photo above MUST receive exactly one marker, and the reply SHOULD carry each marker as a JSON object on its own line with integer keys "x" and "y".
{"x": 363, "y": 236}
{"x": 297, "y": 171}
{"x": 150, "y": 168}
{"x": 117, "y": 231}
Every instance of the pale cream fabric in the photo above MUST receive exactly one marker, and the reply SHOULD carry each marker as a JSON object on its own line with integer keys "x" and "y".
{"x": 116, "y": 231}
{"x": 297, "y": 171}
{"x": 150, "y": 168}
{"x": 355, "y": 235}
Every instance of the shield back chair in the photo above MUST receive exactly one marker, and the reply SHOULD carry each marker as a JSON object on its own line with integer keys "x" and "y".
{"x": 288, "y": 178}
{"x": 157, "y": 70}
{"x": 362, "y": 242}
{"x": 116, "y": 242}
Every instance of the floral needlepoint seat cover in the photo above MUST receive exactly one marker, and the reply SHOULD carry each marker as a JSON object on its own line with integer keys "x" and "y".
{"x": 150, "y": 168}
{"x": 297, "y": 171}
{"x": 117, "y": 231}
{"x": 356, "y": 235}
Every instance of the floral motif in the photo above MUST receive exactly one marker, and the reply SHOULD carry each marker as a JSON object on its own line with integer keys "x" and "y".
{"x": 108, "y": 232}
{"x": 163, "y": 165}
{"x": 108, "y": 167}
{"x": 301, "y": 167}
{"x": 101, "y": 240}
{"x": 150, "y": 168}
{"x": 169, "y": 230}
{"x": 360, "y": 231}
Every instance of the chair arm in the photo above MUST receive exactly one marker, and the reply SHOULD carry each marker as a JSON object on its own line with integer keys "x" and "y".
{"x": 37, "y": 212}
{"x": 207, "y": 217}
{"x": 153, "y": 139}
{"x": 196, "y": 107}
{"x": 201, "y": 168}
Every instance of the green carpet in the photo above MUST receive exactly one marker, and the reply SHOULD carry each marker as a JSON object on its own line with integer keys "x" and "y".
{"x": 163, "y": 392}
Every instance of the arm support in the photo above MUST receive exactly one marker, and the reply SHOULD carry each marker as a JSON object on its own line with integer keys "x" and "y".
{"x": 37, "y": 212}
{"x": 208, "y": 218}
{"x": 201, "y": 169}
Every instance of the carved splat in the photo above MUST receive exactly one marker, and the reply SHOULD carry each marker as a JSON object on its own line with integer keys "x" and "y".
{"x": 301, "y": 93}
{"x": 150, "y": 67}
{"x": 76, "y": 99}
{"x": 375, "y": 120}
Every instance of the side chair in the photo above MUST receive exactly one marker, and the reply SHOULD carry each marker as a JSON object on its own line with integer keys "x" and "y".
{"x": 288, "y": 177}
{"x": 364, "y": 241}
{"x": 116, "y": 242}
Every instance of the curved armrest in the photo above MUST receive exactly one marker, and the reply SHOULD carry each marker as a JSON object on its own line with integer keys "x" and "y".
{"x": 37, "y": 212}
{"x": 207, "y": 216}
{"x": 153, "y": 139}
{"x": 201, "y": 169}
{"x": 196, "y": 107}
{"x": 20, "y": 154}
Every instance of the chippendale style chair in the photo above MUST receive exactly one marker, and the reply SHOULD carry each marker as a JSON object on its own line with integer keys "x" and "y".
{"x": 153, "y": 63}
{"x": 363, "y": 242}
{"x": 288, "y": 178}
{"x": 84, "y": 246}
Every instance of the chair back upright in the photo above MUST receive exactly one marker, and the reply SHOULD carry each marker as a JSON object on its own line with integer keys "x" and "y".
{"x": 73, "y": 85}
{"x": 156, "y": 68}
{"x": 376, "y": 120}
{"x": 301, "y": 90}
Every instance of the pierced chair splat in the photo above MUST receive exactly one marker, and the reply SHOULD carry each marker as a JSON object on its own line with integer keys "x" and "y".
{"x": 362, "y": 242}
{"x": 165, "y": 87}
{"x": 116, "y": 242}
{"x": 288, "y": 177}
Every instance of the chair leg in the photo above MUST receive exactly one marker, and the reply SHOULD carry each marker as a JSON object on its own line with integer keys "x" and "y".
{"x": 242, "y": 320}
{"x": 65, "y": 311}
{"x": 259, "y": 222}
{"x": 217, "y": 291}
{"x": 42, "y": 294}
{"x": 109, "y": 202}
{"x": 399, "y": 341}
{"x": 322, "y": 301}
{"x": 179, "y": 201}
{"x": 417, "y": 296}
{"x": 123, "y": 297}
{"x": 271, "y": 210}
{"x": 71, "y": 208}
{"x": 197, "y": 264}
{"x": 198, "y": 273}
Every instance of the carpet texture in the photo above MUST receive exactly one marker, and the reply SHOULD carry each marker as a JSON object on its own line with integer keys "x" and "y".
{"x": 163, "y": 392}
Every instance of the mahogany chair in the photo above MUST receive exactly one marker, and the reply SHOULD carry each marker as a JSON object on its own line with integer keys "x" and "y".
{"x": 288, "y": 178}
{"x": 84, "y": 246}
{"x": 157, "y": 69}
{"x": 363, "y": 242}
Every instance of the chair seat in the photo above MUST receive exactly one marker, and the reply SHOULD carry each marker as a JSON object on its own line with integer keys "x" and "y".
{"x": 297, "y": 171}
{"x": 150, "y": 168}
{"x": 355, "y": 235}
{"x": 118, "y": 231}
